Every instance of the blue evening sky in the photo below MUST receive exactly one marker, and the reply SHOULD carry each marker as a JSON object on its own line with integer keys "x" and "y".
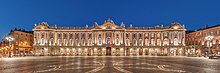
{"x": 194, "y": 14}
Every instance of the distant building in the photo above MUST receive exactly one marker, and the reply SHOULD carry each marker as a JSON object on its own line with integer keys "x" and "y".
{"x": 17, "y": 43}
{"x": 199, "y": 42}
{"x": 109, "y": 39}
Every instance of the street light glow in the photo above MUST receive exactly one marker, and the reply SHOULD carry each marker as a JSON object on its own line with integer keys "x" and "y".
{"x": 209, "y": 37}
{"x": 9, "y": 38}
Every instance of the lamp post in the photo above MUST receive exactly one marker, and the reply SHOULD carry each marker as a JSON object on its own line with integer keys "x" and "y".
{"x": 10, "y": 39}
{"x": 209, "y": 39}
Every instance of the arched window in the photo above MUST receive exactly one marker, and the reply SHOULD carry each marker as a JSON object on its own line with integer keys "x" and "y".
{"x": 146, "y": 42}
{"x": 42, "y": 41}
{"x": 64, "y": 42}
{"x": 165, "y": 42}
{"x": 127, "y": 42}
{"x": 71, "y": 42}
{"x": 158, "y": 42}
{"x": 51, "y": 41}
{"x": 135, "y": 43}
{"x": 58, "y": 42}
{"x": 83, "y": 35}
{"x": 117, "y": 42}
{"x": 217, "y": 41}
{"x": 71, "y": 36}
{"x": 83, "y": 42}
{"x": 152, "y": 42}
{"x": 77, "y": 42}
{"x": 175, "y": 41}
{"x": 140, "y": 42}
{"x": 100, "y": 41}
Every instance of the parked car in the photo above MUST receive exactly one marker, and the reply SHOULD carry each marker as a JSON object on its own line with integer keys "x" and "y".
{"x": 214, "y": 56}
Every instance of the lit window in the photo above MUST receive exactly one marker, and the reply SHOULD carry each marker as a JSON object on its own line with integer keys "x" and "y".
{"x": 117, "y": 41}
{"x": 64, "y": 42}
{"x": 71, "y": 42}
{"x": 127, "y": 42}
{"x": 82, "y": 42}
{"x": 141, "y": 42}
{"x": 58, "y": 41}
{"x": 77, "y": 42}
{"x": 42, "y": 41}
{"x": 100, "y": 41}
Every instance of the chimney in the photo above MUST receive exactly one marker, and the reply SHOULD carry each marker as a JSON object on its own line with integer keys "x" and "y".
{"x": 206, "y": 26}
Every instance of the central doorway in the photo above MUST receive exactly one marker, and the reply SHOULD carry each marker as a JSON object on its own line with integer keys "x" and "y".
{"x": 108, "y": 51}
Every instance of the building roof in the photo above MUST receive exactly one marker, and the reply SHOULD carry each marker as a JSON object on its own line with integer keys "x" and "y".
{"x": 109, "y": 24}
{"x": 191, "y": 31}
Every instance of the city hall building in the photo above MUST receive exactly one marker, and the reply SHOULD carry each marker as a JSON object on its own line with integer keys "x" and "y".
{"x": 109, "y": 39}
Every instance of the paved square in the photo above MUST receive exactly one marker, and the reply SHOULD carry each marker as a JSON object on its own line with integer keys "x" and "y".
{"x": 110, "y": 64}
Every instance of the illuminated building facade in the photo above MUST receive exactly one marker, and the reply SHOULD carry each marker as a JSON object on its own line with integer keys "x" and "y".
{"x": 203, "y": 41}
{"x": 109, "y": 39}
{"x": 17, "y": 43}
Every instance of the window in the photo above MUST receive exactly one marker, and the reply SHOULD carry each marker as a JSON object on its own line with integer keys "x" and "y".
{"x": 134, "y": 35}
{"x": 42, "y": 41}
{"x": 83, "y": 35}
{"x": 158, "y": 34}
{"x": 117, "y": 42}
{"x": 77, "y": 42}
{"x": 71, "y": 36}
{"x": 152, "y": 42}
{"x": 59, "y": 35}
{"x": 100, "y": 41}
{"x": 117, "y": 35}
{"x": 140, "y": 42}
{"x": 71, "y": 42}
{"x": 108, "y": 34}
{"x": 90, "y": 35}
{"x": 82, "y": 42}
{"x": 217, "y": 41}
{"x": 51, "y": 41}
{"x": 35, "y": 41}
{"x": 64, "y": 35}
{"x": 127, "y": 42}
{"x": 140, "y": 35}
{"x": 58, "y": 41}
{"x": 64, "y": 42}
{"x": 99, "y": 36}
{"x": 158, "y": 42}
{"x": 51, "y": 35}
{"x": 146, "y": 42}
{"x": 152, "y": 34}
{"x": 77, "y": 36}
{"x": 165, "y": 34}
{"x": 90, "y": 42}
{"x": 134, "y": 42}
{"x": 146, "y": 34}
{"x": 122, "y": 35}
{"x": 42, "y": 35}
{"x": 175, "y": 41}
{"x": 126, "y": 35}
{"x": 217, "y": 32}
{"x": 170, "y": 35}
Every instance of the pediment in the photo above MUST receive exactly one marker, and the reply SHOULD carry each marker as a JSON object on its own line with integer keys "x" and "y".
{"x": 176, "y": 25}
{"x": 109, "y": 24}
{"x": 42, "y": 25}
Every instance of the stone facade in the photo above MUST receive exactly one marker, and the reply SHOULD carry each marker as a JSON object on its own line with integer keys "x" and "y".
{"x": 109, "y": 39}
{"x": 202, "y": 41}
{"x": 21, "y": 43}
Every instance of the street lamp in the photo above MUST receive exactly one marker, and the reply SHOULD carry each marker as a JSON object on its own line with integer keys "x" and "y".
{"x": 9, "y": 38}
{"x": 209, "y": 39}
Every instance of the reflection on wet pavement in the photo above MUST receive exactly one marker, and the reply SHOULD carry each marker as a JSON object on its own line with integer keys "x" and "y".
{"x": 109, "y": 65}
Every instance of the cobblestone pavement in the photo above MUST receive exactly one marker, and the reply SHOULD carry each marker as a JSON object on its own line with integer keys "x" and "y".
{"x": 110, "y": 64}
